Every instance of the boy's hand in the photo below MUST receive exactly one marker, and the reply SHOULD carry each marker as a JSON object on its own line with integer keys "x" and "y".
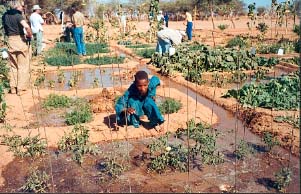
{"x": 130, "y": 110}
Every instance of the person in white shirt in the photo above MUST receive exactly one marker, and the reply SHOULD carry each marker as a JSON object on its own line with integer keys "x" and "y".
{"x": 123, "y": 22}
{"x": 168, "y": 37}
{"x": 36, "y": 22}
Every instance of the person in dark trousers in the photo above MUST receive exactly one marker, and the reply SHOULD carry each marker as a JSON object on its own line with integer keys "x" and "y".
{"x": 18, "y": 47}
{"x": 68, "y": 32}
{"x": 139, "y": 100}
{"x": 166, "y": 18}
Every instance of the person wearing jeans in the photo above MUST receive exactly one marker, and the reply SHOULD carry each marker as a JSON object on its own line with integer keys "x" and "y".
{"x": 168, "y": 37}
{"x": 78, "y": 31}
{"x": 189, "y": 25}
{"x": 36, "y": 22}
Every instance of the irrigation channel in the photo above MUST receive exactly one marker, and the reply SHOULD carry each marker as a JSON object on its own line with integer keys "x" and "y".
{"x": 254, "y": 174}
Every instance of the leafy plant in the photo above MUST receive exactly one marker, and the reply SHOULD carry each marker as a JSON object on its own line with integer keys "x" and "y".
{"x": 243, "y": 150}
{"x": 81, "y": 113}
{"x": 63, "y": 60}
{"x": 145, "y": 53}
{"x": 136, "y": 46}
{"x": 283, "y": 179}
{"x": 77, "y": 142}
{"x": 56, "y": 101}
{"x": 110, "y": 169}
{"x": 281, "y": 93}
{"x": 60, "y": 76}
{"x": 169, "y": 106}
{"x": 24, "y": 147}
{"x": 104, "y": 60}
{"x": 240, "y": 41}
{"x": 263, "y": 28}
{"x": 36, "y": 182}
{"x": 269, "y": 140}
{"x": 223, "y": 26}
{"x": 288, "y": 119}
{"x": 75, "y": 78}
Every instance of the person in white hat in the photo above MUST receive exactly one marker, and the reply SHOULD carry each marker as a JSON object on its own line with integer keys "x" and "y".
{"x": 168, "y": 37}
{"x": 36, "y": 22}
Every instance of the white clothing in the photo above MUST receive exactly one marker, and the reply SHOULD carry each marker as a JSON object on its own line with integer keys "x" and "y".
{"x": 36, "y": 22}
{"x": 170, "y": 34}
{"x": 160, "y": 17}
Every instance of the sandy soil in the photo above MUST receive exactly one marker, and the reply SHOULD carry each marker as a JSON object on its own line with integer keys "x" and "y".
{"x": 20, "y": 114}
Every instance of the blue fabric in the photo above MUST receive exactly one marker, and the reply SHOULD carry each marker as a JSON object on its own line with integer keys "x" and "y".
{"x": 143, "y": 105}
{"x": 163, "y": 45}
{"x": 78, "y": 35}
{"x": 189, "y": 30}
{"x": 166, "y": 18}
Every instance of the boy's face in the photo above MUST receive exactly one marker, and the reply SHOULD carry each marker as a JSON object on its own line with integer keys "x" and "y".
{"x": 142, "y": 86}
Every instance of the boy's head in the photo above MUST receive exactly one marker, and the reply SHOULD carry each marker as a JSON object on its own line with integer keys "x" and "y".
{"x": 141, "y": 82}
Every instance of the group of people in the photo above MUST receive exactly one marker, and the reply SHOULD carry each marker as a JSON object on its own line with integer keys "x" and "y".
{"x": 137, "y": 101}
{"x": 19, "y": 35}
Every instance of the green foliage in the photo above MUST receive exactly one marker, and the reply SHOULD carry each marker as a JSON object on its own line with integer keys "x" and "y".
{"x": 165, "y": 155}
{"x": 193, "y": 63}
{"x": 77, "y": 142}
{"x": 243, "y": 150}
{"x": 269, "y": 140}
{"x": 145, "y": 53}
{"x": 91, "y": 48}
{"x": 110, "y": 169}
{"x": 104, "y": 60}
{"x": 223, "y": 26}
{"x": 124, "y": 42}
{"x": 281, "y": 93}
{"x": 240, "y": 41}
{"x": 24, "y": 147}
{"x": 288, "y": 47}
{"x": 63, "y": 60}
{"x": 36, "y": 182}
{"x": 2, "y": 11}
{"x": 4, "y": 83}
{"x": 288, "y": 119}
{"x": 262, "y": 27}
{"x": 169, "y": 106}
{"x": 81, "y": 113}
{"x": 283, "y": 179}
{"x": 56, "y": 101}
{"x": 135, "y": 46}
{"x": 297, "y": 30}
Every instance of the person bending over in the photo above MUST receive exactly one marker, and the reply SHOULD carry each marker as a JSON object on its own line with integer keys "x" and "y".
{"x": 139, "y": 100}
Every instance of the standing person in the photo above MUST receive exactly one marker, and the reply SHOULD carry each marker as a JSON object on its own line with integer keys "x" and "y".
{"x": 77, "y": 20}
{"x": 138, "y": 100}
{"x": 123, "y": 22}
{"x": 36, "y": 22}
{"x": 166, "y": 18}
{"x": 189, "y": 25}
{"x": 168, "y": 37}
{"x": 18, "y": 47}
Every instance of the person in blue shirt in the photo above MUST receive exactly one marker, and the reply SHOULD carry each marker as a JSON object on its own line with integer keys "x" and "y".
{"x": 139, "y": 100}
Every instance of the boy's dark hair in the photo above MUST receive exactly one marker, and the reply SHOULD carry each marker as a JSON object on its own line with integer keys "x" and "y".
{"x": 141, "y": 75}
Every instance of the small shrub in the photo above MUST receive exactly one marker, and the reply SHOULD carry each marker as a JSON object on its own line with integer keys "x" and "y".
{"x": 262, "y": 27}
{"x": 243, "y": 150}
{"x": 24, "y": 147}
{"x": 110, "y": 169}
{"x": 82, "y": 113}
{"x": 77, "y": 142}
{"x": 283, "y": 179}
{"x": 138, "y": 46}
{"x": 169, "y": 106}
{"x": 269, "y": 140}
{"x": 223, "y": 26}
{"x": 145, "y": 53}
{"x": 36, "y": 182}
{"x": 56, "y": 101}
{"x": 238, "y": 41}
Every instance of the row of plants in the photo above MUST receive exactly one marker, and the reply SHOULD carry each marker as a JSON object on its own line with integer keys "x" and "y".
{"x": 281, "y": 93}
{"x": 78, "y": 109}
{"x": 206, "y": 59}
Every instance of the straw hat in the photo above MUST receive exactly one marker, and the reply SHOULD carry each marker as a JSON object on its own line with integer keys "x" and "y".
{"x": 35, "y": 7}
